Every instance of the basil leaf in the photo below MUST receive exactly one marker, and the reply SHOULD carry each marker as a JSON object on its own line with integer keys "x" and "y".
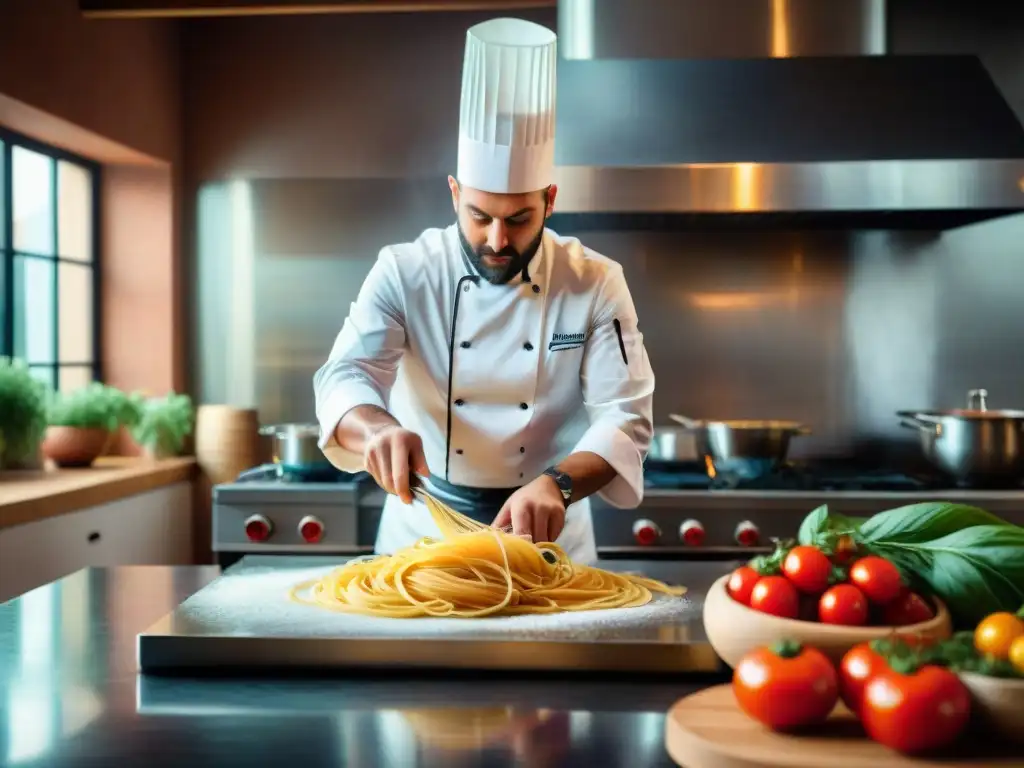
{"x": 976, "y": 571}
{"x": 815, "y": 524}
{"x": 917, "y": 523}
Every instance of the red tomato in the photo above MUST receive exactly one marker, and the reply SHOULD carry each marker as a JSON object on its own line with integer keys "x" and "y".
{"x": 843, "y": 604}
{"x": 775, "y": 595}
{"x": 808, "y": 568}
{"x": 908, "y": 608}
{"x": 858, "y": 667}
{"x": 741, "y": 584}
{"x": 877, "y": 578}
{"x": 786, "y": 686}
{"x": 918, "y": 712}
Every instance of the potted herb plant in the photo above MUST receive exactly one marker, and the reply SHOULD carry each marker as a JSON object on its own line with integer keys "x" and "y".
{"x": 163, "y": 425}
{"x": 23, "y": 401}
{"x": 83, "y": 423}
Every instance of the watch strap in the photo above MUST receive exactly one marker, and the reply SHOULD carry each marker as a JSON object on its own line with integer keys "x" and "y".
{"x": 563, "y": 481}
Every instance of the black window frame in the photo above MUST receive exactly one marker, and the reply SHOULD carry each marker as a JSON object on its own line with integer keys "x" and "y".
{"x": 9, "y": 139}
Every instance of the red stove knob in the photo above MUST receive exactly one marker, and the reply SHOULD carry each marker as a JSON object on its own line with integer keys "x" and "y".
{"x": 258, "y": 528}
{"x": 646, "y": 532}
{"x": 311, "y": 529}
{"x": 747, "y": 534}
{"x": 691, "y": 532}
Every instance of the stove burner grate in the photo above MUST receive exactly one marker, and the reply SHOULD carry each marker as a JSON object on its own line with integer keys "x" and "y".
{"x": 791, "y": 476}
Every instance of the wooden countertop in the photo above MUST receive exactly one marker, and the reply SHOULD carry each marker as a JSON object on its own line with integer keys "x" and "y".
{"x": 27, "y": 496}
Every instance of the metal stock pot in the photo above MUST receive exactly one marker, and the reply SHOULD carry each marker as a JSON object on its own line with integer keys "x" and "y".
{"x": 975, "y": 446}
{"x": 725, "y": 441}
{"x": 296, "y": 450}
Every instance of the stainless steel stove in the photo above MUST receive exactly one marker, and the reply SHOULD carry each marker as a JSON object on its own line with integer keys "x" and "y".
{"x": 688, "y": 513}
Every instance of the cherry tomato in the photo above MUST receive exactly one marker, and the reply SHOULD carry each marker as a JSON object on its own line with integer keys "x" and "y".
{"x": 918, "y": 712}
{"x": 846, "y": 551}
{"x": 908, "y": 608}
{"x": 996, "y": 632}
{"x": 786, "y": 686}
{"x": 843, "y": 604}
{"x": 877, "y": 578}
{"x": 741, "y": 584}
{"x": 1016, "y": 654}
{"x": 859, "y": 665}
{"x": 775, "y": 595}
{"x": 808, "y": 568}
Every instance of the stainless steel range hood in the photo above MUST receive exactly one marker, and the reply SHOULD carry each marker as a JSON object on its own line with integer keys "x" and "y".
{"x": 680, "y": 113}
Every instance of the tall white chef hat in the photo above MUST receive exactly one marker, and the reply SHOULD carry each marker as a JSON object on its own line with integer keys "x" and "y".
{"x": 507, "y": 114}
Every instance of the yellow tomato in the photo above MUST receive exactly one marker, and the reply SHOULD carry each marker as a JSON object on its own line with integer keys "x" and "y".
{"x": 1016, "y": 654}
{"x": 996, "y": 633}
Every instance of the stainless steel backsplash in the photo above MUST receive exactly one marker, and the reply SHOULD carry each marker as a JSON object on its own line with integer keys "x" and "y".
{"x": 836, "y": 329}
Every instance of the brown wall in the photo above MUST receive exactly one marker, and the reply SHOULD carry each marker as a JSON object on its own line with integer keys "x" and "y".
{"x": 110, "y": 90}
{"x": 116, "y": 78}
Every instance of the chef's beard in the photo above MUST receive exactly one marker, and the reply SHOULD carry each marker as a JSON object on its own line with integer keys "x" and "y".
{"x": 501, "y": 274}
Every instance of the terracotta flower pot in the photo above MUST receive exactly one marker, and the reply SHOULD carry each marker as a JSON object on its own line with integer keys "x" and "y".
{"x": 74, "y": 446}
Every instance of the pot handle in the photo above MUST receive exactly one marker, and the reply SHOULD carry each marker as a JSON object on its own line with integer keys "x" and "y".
{"x": 685, "y": 421}
{"x": 927, "y": 427}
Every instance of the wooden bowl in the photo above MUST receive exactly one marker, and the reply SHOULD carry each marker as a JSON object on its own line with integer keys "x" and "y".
{"x": 998, "y": 704}
{"x": 735, "y": 629}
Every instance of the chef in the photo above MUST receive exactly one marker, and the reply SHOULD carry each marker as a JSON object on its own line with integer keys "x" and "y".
{"x": 494, "y": 362}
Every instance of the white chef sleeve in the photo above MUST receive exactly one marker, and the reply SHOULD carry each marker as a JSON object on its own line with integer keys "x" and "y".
{"x": 363, "y": 362}
{"x": 618, "y": 391}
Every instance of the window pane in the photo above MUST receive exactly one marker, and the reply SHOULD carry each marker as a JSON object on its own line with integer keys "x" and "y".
{"x": 74, "y": 211}
{"x": 75, "y": 308}
{"x": 3, "y": 204}
{"x": 33, "y": 309}
{"x": 44, "y": 373}
{"x": 74, "y": 377}
{"x": 33, "y": 201}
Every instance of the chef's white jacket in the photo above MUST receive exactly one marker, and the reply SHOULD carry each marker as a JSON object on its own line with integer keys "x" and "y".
{"x": 499, "y": 381}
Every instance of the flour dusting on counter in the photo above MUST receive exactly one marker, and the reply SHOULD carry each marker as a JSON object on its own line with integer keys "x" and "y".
{"x": 256, "y": 603}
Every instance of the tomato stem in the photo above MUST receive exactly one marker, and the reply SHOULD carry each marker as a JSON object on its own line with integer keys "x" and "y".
{"x": 904, "y": 665}
{"x": 787, "y": 649}
{"x": 1020, "y": 613}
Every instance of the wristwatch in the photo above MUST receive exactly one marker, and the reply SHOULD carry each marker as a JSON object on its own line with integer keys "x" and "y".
{"x": 563, "y": 481}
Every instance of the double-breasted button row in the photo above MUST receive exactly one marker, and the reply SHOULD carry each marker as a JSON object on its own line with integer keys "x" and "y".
{"x": 460, "y": 402}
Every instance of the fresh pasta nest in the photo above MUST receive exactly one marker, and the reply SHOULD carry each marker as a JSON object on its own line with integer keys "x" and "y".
{"x": 474, "y": 571}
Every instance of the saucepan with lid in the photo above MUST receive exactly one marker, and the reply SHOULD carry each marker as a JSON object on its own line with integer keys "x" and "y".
{"x": 974, "y": 445}
{"x": 742, "y": 440}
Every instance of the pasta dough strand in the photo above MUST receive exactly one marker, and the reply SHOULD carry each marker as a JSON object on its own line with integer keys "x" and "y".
{"x": 473, "y": 571}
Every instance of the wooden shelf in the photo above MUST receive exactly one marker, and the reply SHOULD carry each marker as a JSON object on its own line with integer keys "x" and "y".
{"x": 27, "y": 496}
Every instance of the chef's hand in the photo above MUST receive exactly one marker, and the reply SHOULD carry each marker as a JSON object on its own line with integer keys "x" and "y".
{"x": 535, "y": 510}
{"x": 392, "y": 454}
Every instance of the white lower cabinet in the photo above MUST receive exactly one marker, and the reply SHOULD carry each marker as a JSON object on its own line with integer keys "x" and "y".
{"x": 151, "y": 528}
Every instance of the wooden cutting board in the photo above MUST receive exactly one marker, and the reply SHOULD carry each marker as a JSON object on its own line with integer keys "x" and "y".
{"x": 708, "y": 730}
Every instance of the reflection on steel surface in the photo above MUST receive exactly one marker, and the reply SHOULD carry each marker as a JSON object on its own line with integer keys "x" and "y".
{"x": 937, "y": 185}
{"x": 618, "y": 29}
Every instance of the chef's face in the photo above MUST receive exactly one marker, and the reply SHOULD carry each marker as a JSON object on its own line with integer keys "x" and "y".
{"x": 501, "y": 233}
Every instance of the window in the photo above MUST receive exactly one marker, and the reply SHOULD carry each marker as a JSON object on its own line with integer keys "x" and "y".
{"x": 49, "y": 276}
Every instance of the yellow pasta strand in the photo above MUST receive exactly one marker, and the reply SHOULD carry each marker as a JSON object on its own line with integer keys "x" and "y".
{"x": 473, "y": 571}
